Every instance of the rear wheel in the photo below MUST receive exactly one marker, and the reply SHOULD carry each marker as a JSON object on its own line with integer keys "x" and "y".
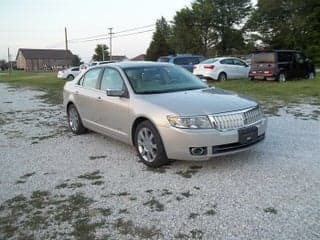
{"x": 282, "y": 77}
{"x": 222, "y": 77}
{"x": 149, "y": 145}
{"x": 70, "y": 77}
{"x": 74, "y": 120}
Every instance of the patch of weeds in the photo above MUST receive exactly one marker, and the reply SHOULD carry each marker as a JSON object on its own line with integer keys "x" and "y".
{"x": 186, "y": 194}
{"x": 91, "y": 176}
{"x": 123, "y": 211}
{"x": 196, "y": 234}
{"x": 197, "y": 188}
{"x": 8, "y": 102}
{"x": 193, "y": 215}
{"x": 187, "y": 173}
{"x": 156, "y": 170}
{"x": 195, "y": 167}
{"x": 123, "y": 194}
{"x": 179, "y": 198}
{"x": 105, "y": 211}
{"x": 154, "y": 204}
{"x": 98, "y": 183}
{"x": 27, "y": 175}
{"x": 181, "y": 236}
{"x": 84, "y": 229}
{"x": 149, "y": 191}
{"x": 126, "y": 227}
{"x": 76, "y": 185}
{"x": 62, "y": 185}
{"x": 2, "y": 122}
{"x": 165, "y": 192}
{"x": 97, "y": 157}
{"x": 132, "y": 198}
{"x": 270, "y": 210}
{"x": 210, "y": 212}
{"x": 20, "y": 181}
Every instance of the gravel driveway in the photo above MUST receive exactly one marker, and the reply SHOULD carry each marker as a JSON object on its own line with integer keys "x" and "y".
{"x": 54, "y": 185}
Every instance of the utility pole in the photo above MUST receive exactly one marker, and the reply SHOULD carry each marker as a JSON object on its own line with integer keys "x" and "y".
{"x": 66, "y": 38}
{"x": 110, "y": 33}
{"x": 102, "y": 52}
{"x": 9, "y": 63}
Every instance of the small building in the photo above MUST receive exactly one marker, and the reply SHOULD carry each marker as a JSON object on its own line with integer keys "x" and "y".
{"x": 119, "y": 58}
{"x": 43, "y": 59}
{"x": 140, "y": 57}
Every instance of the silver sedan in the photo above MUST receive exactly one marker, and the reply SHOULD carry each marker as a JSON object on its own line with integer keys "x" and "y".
{"x": 162, "y": 110}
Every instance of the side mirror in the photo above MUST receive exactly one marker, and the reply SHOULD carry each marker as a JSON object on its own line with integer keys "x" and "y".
{"x": 115, "y": 92}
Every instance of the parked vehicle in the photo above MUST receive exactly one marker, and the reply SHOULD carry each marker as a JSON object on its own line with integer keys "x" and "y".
{"x": 185, "y": 60}
{"x": 101, "y": 62}
{"x": 222, "y": 68}
{"x": 281, "y": 65}
{"x": 163, "y": 110}
{"x": 69, "y": 74}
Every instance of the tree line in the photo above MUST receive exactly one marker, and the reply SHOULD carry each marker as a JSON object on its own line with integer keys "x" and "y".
{"x": 235, "y": 27}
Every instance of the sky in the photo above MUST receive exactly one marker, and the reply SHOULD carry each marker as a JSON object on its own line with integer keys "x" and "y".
{"x": 41, "y": 23}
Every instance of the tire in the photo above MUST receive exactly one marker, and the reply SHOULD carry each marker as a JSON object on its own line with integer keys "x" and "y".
{"x": 70, "y": 77}
{"x": 282, "y": 77}
{"x": 149, "y": 145}
{"x": 74, "y": 120}
{"x": 311, "y": 75}
{"x": 222, "y": 77}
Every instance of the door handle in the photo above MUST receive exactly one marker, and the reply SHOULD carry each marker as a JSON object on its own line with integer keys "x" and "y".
{"x": 99, "y": 99}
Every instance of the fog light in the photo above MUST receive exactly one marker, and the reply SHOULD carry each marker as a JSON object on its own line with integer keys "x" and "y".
{"x": 198, "y": 151}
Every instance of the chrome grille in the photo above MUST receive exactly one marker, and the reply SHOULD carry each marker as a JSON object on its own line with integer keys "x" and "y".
{"x": 235, "y": 120}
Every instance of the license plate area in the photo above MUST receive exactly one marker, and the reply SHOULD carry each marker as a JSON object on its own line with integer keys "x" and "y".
{"x": 248, "y": 135}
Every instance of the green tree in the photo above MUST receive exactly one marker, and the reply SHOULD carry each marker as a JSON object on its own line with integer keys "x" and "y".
{"x": 99, "y": 51}
{"x": 210, "y": 26}
{"x": 76, "y": 60}
{"x": 288, "y": 24}
{"x": 160, "y": 44}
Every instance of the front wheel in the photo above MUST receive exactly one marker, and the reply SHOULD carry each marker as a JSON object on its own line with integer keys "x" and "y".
{"x": 222, "y": 77}
{"x": 74, "y": 120}
{"x": 70, "y": 77}
{"x": 149, "y": 145}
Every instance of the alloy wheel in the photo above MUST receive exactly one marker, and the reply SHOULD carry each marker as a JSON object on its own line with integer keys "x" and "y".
{"x": 147, "y": 146}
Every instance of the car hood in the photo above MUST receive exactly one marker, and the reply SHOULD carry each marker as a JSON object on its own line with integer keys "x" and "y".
{"x": 200, "y": 102}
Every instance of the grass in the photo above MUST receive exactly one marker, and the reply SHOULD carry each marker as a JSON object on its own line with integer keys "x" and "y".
{"x": 290, "y": 91}
{"x": 45, "y": 81}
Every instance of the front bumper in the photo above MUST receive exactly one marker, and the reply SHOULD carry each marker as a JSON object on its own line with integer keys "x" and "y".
{"x": 177, "y": 142}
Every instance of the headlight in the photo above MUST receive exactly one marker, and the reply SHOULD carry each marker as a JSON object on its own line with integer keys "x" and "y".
{"x": 194, "y": 122}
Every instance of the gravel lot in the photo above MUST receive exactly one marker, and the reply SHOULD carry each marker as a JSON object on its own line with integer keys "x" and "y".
{"x": 54, "y": 185}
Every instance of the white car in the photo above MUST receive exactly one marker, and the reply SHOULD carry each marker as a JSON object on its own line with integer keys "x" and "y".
{"x": 222, "y": 68}
{"x": 69, "y": 74}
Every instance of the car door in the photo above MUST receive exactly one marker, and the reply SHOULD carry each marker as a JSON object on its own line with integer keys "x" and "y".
{"x": 85, "y": 95}
{"x": 227, "y": 66}
{"x": 240, "y": 69}
{"x": 112, "y": 113}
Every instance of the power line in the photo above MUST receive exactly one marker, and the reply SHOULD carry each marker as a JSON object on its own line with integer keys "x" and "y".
{"x": 108, "y": 37}
{"x": 105, "y": 35}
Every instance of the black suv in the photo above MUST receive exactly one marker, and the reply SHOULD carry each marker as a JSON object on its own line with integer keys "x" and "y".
{"x": 185, "y": 60}
{"x": 280, "y": 65}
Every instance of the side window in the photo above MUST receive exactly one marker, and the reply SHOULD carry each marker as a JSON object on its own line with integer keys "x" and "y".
{"x": 239, "y": 62}
{"x": 111, "y": 79}
{"x": 181, "y": 61}
{"x": 194, "y": 60}
{"x": 284, "y": 57}
{"x": 75, "y": 69}
{"x": 90, "y": 79}
{"x": 227, "y": 61}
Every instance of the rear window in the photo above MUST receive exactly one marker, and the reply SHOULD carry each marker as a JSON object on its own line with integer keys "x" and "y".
{"x": 210, "y": 60}
{"x": 263, "y": 57}
{"x": 163, "y": 59}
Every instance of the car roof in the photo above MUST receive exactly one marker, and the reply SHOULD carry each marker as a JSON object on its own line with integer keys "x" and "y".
{"x": 270, "y": 51}
{"x": 133, "y": 64}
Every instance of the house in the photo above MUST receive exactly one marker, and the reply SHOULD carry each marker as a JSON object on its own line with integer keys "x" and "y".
{"x": 43, "y": 59}
{"x": 140, "y": 57}
{"x": 119, "y": 58}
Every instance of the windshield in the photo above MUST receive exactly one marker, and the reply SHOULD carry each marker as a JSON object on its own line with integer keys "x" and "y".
{"x": 263, "y": 58}
{"x": 162, "y": 79}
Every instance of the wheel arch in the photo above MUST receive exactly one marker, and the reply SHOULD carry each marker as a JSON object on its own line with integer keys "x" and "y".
{"x": 135, "y": 124}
